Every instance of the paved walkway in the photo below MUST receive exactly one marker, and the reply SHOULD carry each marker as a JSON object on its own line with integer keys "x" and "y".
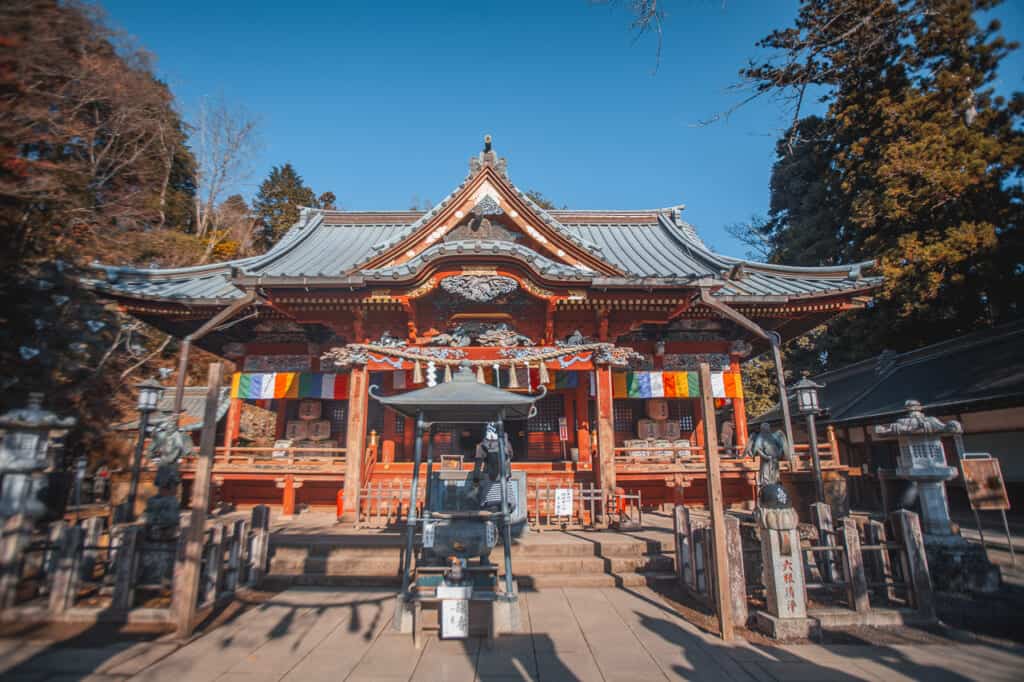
{"x": 317, "y": 634}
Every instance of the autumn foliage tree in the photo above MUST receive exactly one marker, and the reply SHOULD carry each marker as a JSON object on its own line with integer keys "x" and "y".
{"x": 92, "y": 154}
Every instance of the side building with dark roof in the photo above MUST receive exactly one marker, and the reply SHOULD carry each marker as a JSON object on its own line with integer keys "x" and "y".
{"x": 614, "y": 311}
{"x": 976, "y": 379}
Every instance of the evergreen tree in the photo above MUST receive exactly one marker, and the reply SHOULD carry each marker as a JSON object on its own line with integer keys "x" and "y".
{"x": 917, "y": 163}
{"x": 279, "y": 199}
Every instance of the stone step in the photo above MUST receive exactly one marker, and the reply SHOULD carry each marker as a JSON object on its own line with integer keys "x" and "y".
{"x": 526, "y": 582}
{"x": 596, "y": 548}
{"x": 384, "y": 566}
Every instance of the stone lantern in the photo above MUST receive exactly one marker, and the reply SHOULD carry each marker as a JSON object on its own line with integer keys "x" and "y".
{"x": 922, "y": 460}
{"x": 955, "y": 564}
{"x": 25, "y": 454}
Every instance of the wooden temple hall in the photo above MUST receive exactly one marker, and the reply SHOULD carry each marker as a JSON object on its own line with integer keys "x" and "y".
{"x": 611, "y": 311}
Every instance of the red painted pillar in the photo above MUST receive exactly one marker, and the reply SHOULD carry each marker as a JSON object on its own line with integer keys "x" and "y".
{"x": 739, "y": 410}
{"x": 233, "y": 426}
{"x": 583, "y": 420}
{"x": 287, "y": 495}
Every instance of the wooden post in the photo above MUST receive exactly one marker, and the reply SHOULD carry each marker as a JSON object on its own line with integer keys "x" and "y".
{"x": 679, "y": 533}
{"x": 187, "y": 566}
{"x": 605, "y": 432}
{"x": 66, "y": 572}
{"x": 125, "y": 570}
{"x": 821, "y": 516}
{"x": 260, "y": 547}
{"x": 214, "y": 564}
{"x": 16, "y": 535}
{"x": 234, "y": 568}
{"x": 715, "y": 506}
{"x": 355, "y": 442}
{"x": 856, "y": 578}
{"x": 881, "y": 566}
{"x": 737, "y": 576}
{"x": 909, "y": 528}
{"x": 93, "y": 530}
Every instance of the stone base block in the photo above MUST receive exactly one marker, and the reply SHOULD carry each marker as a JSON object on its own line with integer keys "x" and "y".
{"x": 404, "y": 616}
{"x": 960, "y": 566}
{"x": 785, "y": 629}
{"x": 507, "y": 618}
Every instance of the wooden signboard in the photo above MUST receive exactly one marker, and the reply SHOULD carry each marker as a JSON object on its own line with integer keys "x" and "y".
{"x": 984, "y": 481}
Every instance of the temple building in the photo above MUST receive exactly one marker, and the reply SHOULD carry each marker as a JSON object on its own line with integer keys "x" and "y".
{"x": 611, "y": 312}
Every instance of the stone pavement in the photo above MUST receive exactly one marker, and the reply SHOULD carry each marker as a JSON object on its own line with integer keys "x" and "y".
{"x": 312, "y": 634}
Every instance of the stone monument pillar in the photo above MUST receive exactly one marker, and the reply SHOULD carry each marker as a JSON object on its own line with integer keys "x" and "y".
{"x": 782, "y": 562}
{"x": 955, "y": 564}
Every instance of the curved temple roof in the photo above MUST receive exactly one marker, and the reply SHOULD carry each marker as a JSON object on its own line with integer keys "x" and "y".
{"x": 652, "y": 248}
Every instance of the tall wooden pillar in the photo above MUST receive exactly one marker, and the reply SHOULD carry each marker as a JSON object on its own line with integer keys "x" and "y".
{"x": 233, "y": 427}
{"x": 739, "y": 410}
{"x": 355, "y": 441}
{"x": 716, "y": 507}
{"x": 605, "y": 431}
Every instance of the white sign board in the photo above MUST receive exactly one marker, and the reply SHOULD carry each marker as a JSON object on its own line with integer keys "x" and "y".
{"x": 428, "y": 534}
{"x": 563, "y": 429}
{"x": 281, "y": 448}
{"x": 454, "y": 611}
{"x": 563, "y": 502}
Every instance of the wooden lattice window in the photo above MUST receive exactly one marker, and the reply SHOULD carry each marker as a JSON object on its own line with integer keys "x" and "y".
{"x": 549, "y": 409}
{"x": 336, "y": 412}
{"x": 399, "y": 424}
{"x": 681, "y": 411}
{"x": 622, "y": 417}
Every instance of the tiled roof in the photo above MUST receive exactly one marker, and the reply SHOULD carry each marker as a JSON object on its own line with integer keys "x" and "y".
{"x": 655, "y": 246}
{"x": 945, "y": 377}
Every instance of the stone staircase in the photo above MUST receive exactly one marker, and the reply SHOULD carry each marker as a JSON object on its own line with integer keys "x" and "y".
{"x": 552, "y": 559}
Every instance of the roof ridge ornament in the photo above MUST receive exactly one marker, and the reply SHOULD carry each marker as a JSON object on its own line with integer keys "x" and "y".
{"x": 488, "y": 158}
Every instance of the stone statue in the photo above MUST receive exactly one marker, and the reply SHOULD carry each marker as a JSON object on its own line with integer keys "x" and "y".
{"x": 167, "y": 447}
{"x": 769, "y": 448}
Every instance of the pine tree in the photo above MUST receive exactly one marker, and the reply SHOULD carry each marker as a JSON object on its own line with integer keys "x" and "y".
{"x": 917, "y": 163}
{"x": 279, "y": 199}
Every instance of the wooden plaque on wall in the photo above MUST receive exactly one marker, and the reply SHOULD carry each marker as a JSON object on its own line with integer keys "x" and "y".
{"x": 985, "y": 487}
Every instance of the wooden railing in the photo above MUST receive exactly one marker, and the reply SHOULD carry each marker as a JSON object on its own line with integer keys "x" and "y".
{"x": 241, "y": 456}
{"x": 694, "y": 454}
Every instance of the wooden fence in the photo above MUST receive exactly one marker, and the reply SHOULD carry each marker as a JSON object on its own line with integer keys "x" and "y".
{"x": 854, "y": 565}
{"x": 87, "y": 572}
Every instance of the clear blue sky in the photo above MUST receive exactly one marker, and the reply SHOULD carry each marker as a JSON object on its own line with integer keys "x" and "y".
{"x": 381, "y": 101}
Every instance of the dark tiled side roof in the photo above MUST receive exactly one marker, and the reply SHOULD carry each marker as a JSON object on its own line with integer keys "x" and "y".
{"x": 952, "y": 375}
{"x": 194, "y": 405}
